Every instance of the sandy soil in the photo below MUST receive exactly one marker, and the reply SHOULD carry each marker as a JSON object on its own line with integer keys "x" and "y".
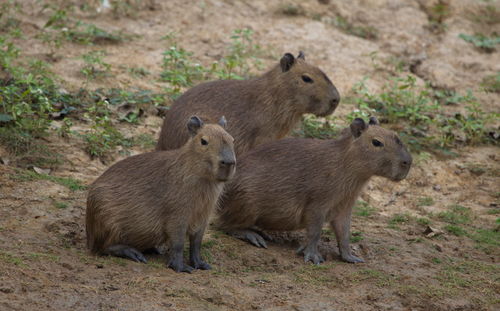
{"x": 44, "y": 263}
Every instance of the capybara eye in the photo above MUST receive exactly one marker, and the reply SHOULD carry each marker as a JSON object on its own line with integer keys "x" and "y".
{"x": 377, "y": 143}
{"x": 204, "y": 142}
{"x": 307, "y": 79}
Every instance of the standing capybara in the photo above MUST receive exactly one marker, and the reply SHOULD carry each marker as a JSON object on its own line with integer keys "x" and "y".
{"x": 261, "y": 110}
{"x": 154, "y": 198}
{"x": 295, "y": 183}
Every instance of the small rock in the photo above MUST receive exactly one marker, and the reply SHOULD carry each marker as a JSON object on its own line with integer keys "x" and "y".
{"x": 99, "y": 266}
{"x": 431, "y": 232}
{"x": 436, "y": 188}
{"x": 438, "y": 247}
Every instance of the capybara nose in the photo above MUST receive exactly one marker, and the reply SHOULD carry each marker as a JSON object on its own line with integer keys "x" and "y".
{"x": 406, "y": 163}
{"x": 334, "y": 102}
{"x": 227, "y": 163}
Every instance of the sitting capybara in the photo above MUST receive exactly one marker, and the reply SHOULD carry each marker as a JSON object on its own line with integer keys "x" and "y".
{"x": 294, "y": 183}
{"x": 261, "y": 110}
{"x": 155, "y": 198}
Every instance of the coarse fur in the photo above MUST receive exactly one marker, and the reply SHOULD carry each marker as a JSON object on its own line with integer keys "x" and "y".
{"x": 295, "y": 183}
{"x": 154, "y": 198}
{"x": 262, "y": 109}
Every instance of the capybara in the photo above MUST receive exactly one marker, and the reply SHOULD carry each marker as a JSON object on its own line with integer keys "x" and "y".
{"x": 151, "y": 199}
{"x": 295, "y": 183}
{"x": 262, "y": 109}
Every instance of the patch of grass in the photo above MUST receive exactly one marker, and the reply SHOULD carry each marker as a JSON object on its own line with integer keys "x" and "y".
{"x": 425, "y": 201}
{"x": 482, "y": 42}
{"x": 491, "y": 83}
{"x": 138, "y": 72}
{"x": 314, "y": 127}
{"x": 399, "y": 219}
{"x": 455, "y": 230}
{"x": 423, "y": 221}
{"x": 381, "y": 278}
{"x": 456, "y": 215}
{"x": 356, "y": 236}
{"x": 487, "y": 239}
{"x": 436, "y": 260}
{"x": 11, "y": 259}
{"x": 94, "y": 65}
{"x": 365, "y": 32}
{"x": 43, "y": 256}
{"x": 363, "y": 209}
{"x": 70, "y": 183}
{"x": 61, "y": 205}
{"x": 493, "y": 211}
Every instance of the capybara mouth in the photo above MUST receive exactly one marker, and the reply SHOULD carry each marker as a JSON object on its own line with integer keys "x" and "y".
{"x": 400, "y": 176}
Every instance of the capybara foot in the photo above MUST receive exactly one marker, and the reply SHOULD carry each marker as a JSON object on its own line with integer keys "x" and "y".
{"x": 201, "y": 265}
{"x": 250, "y": 236}
{"x": 179, "y": 266}
{"x": 311, "y": 255}
{"x": 351, "y": 258}
{"x": 126, "y": 252}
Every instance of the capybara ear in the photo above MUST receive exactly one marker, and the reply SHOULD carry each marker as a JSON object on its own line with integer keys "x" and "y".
{"x": 357, "y": 126}
{"x": 222, "y": 122}
{"x": 194, "y": 125}
{"x": 301, "y": 55}
{"x": 373, "y": 121}
{"x": 287, "y": 62}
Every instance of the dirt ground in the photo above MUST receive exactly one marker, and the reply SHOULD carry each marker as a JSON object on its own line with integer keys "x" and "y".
{"x": 44, "y": 264}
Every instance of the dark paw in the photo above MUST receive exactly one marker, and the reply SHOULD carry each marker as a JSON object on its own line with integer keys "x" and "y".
{"x": 314, "y": 257}
{"x": 135, "y": 255}
{"x": 250, "y": 236}
{"x": 179, "y": 266}
{"x": 351, "y": 259}
{"x": 201, "y": 265}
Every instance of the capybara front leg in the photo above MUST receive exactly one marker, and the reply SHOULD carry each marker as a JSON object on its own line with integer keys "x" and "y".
{"x": 341, "y": 225}
{"x": 194, "y": 250}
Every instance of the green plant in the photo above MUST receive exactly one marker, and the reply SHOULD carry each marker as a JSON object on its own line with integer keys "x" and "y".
{"x": 365, "y": 32}
{"x": 314, "y": 127}
{"x": 457, "y": 215}
{"x": 363, "y": 209}
{"x": 491, "y": 83}
{"x": 398, "y": 219}
{"x": 61, "y": 205}
{"x": 102, "y": 136}
{"x": 356, "y": 236}
{"x": 425, "y": 201}
{"x": 243, "y": 54}
{"x": 178, "y": 70}
{"x": 70, "y": 183}
{"x": 456, "y": 230}
{"x": 94, "y": 65}
{"x": 417, "y": 112}
{"x": 482, "y": 42}
{"x": 423, "y": 221}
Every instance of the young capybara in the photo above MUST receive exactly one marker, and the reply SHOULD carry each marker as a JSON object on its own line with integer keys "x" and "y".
{"x": 155, "y": 198}
{"x": 293, "y": 184}
{"x": 262, "y": 109}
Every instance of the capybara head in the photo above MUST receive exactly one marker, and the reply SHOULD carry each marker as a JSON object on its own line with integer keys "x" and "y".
{"x": 312, "y": 88}
{"x": 382, "y": 151}
{"x": 214, "y": 146}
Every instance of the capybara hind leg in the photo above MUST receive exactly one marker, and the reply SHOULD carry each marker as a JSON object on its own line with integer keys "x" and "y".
{"x": 250, "y": 236}
{"x": 266, "y": 236}
{"x": 194, "y": 251}
{"x": 125, "y": 251}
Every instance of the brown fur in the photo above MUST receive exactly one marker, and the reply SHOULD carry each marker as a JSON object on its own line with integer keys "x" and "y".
{"x": 295, "y": 183}
{"x": 261, "y": 110}
{"x": 153, "y": 198}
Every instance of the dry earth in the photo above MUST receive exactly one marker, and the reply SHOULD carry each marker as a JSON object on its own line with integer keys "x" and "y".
{"x": 44, "y": 264}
